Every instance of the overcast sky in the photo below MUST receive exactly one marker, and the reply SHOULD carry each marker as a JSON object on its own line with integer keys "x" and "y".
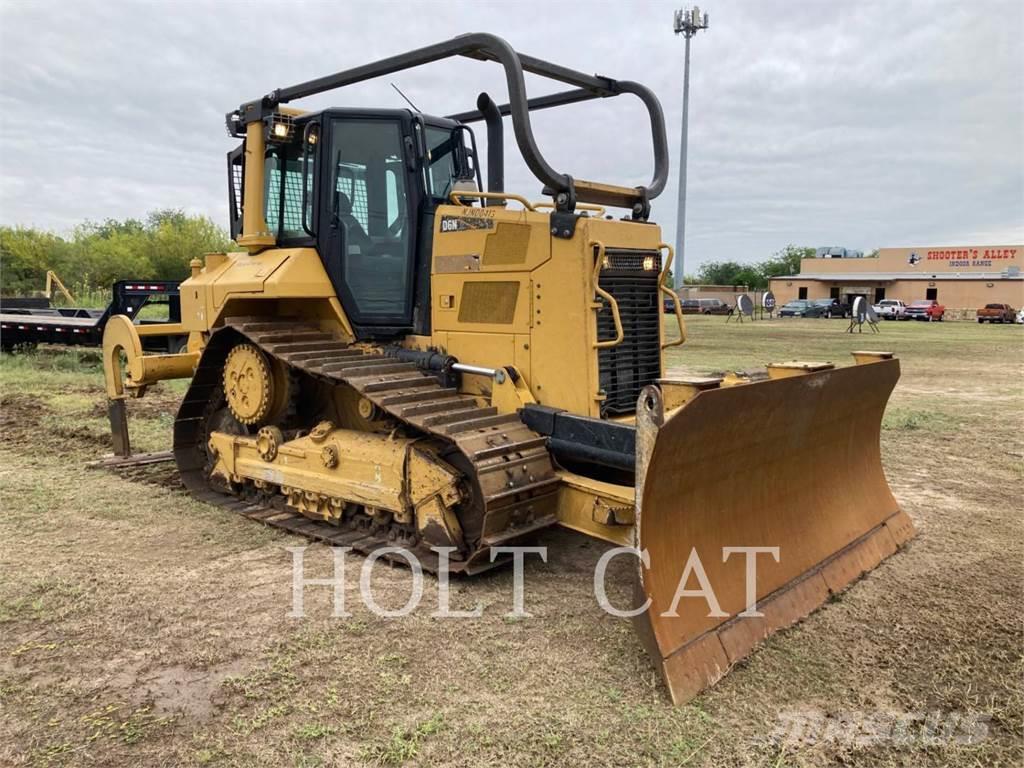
{"x": 861, "y": 124}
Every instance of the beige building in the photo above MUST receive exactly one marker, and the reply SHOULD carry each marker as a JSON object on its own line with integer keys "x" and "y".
{"x": 726, "y": 293}
{"x": 963, "y": 278}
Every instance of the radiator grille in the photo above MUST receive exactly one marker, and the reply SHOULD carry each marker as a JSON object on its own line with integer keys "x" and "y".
{"x": 627, "y": 368}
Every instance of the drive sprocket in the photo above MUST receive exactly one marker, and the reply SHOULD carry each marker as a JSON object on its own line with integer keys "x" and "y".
{"x": 249, "y": 384}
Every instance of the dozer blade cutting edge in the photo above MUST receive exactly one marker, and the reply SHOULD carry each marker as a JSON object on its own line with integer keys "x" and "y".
{"x": 792, "y": 463}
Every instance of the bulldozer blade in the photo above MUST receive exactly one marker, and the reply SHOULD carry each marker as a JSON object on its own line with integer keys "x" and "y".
{"x": 789, "y": 463}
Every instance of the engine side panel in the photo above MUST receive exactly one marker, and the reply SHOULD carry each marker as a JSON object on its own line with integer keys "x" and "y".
{"x": 506, "y": 291}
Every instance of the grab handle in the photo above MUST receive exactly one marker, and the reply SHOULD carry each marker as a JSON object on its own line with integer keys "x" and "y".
{"x": 616, "y": 318}
{"x": 673, "y": 295}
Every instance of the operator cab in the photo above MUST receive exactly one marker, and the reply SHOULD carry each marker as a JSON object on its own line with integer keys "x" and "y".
{"x": 361, "y": 187}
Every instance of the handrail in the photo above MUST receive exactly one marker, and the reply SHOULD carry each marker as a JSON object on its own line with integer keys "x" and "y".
{"x": 616, "y": 318}
{"x": 456, "y": 195}
{"x": 675, "y": 297}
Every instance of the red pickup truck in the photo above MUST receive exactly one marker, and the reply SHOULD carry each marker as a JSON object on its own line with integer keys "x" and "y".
{"x": 997, "y": 313}
{"x": 925, "y": 309}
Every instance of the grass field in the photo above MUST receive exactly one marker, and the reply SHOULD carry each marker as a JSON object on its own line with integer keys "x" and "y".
{"x": 140, "y": 627}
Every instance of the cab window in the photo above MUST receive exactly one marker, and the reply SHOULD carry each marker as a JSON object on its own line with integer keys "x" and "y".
{"x": 283, "y": 193}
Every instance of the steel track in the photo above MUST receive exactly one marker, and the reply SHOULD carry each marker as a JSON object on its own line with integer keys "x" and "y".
{"x": 509, "y": 473}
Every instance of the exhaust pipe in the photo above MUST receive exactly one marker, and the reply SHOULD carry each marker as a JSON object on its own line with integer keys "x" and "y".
{"x": 495, "y": 146}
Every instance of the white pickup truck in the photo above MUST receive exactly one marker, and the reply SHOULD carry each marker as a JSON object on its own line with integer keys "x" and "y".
{"x": 891, "y": 309}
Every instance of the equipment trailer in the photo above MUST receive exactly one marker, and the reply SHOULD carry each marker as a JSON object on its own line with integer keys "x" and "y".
{"x": 31, "y": 321}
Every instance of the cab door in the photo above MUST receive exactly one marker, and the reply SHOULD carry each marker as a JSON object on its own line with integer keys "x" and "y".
{"x": 367, "y": 237}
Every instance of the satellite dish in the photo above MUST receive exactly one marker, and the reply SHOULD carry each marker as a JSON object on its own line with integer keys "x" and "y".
{"x": 859, "y": 311}
{"x": 768, "y": 300}
{"x": 870, "y": 312}
{"x": 745, "y": 305}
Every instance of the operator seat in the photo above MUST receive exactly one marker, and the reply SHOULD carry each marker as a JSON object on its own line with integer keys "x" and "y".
{"x": 356, "y": 238}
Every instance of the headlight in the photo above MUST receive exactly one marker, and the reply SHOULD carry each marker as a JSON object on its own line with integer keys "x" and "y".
{"x": 648, "y": 263}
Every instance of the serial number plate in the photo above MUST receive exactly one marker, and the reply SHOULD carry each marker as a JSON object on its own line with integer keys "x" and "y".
{"x": 465, "y": 223}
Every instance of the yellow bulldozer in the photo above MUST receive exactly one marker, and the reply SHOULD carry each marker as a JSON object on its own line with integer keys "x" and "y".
{"x": 401, "y": 356}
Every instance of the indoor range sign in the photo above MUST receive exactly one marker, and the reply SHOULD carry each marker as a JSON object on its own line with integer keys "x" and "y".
{"x": 965, "y": 257}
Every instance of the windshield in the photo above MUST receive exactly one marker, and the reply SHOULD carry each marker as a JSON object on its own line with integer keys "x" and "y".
{"x": 824, "y": 302}
{"x": 921, "y": 304}
{"x": 887, "y": 303}
{"x": 798, "y": 304}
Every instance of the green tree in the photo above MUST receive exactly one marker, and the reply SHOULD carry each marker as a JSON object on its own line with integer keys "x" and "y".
{"x": 785, "y": 262}
{"x": 176, "y": 239}
{"x": 719, "y": 272}
{"x": 728, "y": 273}
{"x": 96, "y": 254}
{"x": 756, "y": 276}
{"x": 25, "y": 256}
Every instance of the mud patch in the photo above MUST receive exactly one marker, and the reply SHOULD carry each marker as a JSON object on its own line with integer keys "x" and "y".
{"x": 194, "y": 693}
{"x": 20, "y": 415}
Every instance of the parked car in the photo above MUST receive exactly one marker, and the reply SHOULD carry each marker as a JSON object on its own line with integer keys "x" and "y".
{"x": 926, "y": 309}
{"x": 698, "y": 306}
{"x": 800, "y": 308}
{"x": 1020, "y": 316}
{"x": 714, "y": 307}
{"x": 891, "y": 309}
{"x": 832, "y": 308}
{"x": 997, "y": 313}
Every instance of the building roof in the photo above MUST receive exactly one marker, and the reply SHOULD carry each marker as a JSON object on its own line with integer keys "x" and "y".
{"x": 889, "y": 276}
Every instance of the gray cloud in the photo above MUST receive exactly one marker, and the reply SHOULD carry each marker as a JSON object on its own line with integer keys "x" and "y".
{"x": 869, "y": 124}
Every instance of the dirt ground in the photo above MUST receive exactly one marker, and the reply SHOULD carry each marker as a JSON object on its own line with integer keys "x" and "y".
{"x": 140, "y": 627}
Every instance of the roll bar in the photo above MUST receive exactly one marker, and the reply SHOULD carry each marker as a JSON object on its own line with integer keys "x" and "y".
{"x": 564, "y": 189}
